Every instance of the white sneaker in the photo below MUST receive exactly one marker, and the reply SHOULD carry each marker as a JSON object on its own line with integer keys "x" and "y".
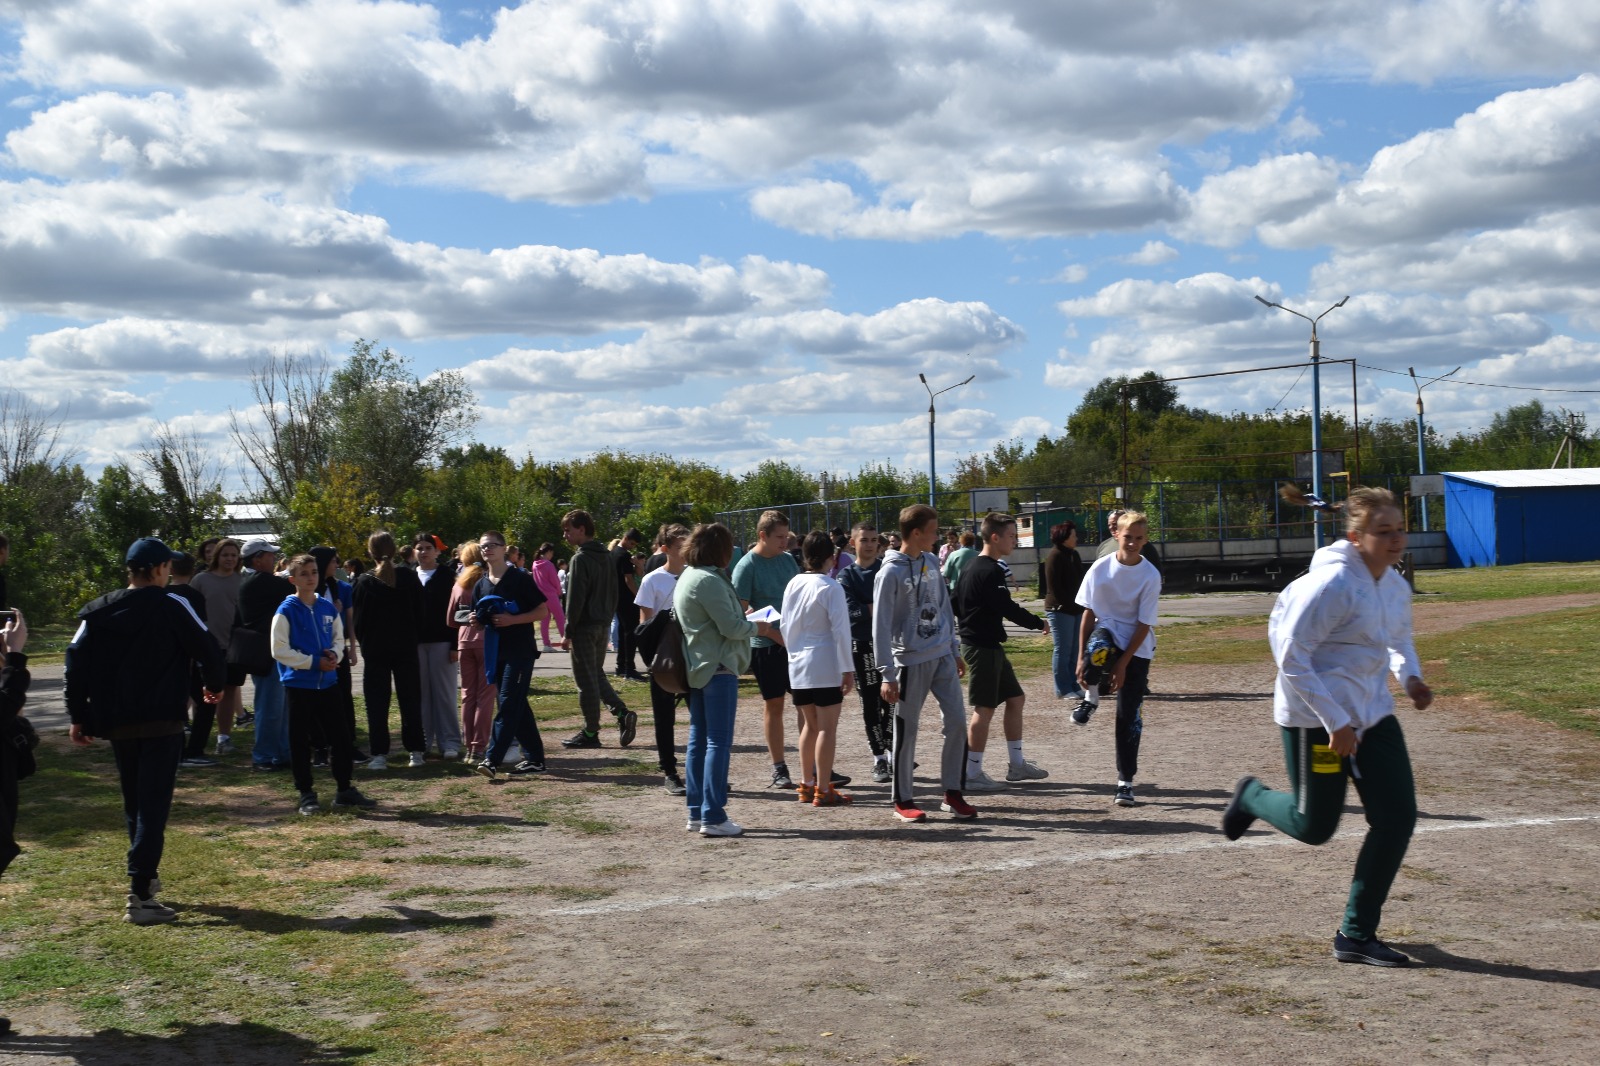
{"x": 982, "y": 782}
{"x": 729, "y": 828}
{"x": 450, "y": 754}
{"x": 148, "y": 911}
{"x": 694, "y": 825}
{"x": 418, "y": 759}
{"x": 378, "y": 762}
{"x": 1025, "y": 771}
{"x": 224, "y": 746}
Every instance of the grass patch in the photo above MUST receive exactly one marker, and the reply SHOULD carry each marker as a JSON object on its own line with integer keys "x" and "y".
{"x": 510, "y": 861}
{"x": 1510, "y": 582}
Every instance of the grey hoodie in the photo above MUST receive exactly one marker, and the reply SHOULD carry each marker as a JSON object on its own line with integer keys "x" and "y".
{"x": 911, "y": 617}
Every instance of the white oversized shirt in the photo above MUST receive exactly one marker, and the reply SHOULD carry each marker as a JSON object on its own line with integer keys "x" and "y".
{"x": 1334, "y": 632}
{"x": 1121, "y": 597}
{"x": 655, "y": 589}
{"x": 816, "y": 630}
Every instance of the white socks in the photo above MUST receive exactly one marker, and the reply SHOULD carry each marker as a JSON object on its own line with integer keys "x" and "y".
{"x": 1014, "y": 750}
{"x": 974, "y": 763}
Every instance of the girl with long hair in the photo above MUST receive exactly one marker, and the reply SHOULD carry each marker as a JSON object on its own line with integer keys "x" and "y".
{"x": 478, "y": 695}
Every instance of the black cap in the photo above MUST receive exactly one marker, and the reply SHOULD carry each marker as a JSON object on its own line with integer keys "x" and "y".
{"x": 149, "y": 551}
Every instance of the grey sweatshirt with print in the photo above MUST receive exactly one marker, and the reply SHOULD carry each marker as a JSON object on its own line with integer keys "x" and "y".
{"x": 911, "y": 617}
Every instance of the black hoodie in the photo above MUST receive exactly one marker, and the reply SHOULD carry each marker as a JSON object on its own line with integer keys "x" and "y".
{"x": 128, "y": 665}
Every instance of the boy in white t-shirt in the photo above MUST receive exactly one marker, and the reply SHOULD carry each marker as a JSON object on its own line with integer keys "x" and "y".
{"x": 655, "y": 594}
{"x": 1120, "y": 595}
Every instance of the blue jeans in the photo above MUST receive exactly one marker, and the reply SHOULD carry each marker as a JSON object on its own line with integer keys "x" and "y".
{"x": 1064, "y": 659}
{"x": 705, "y": 765}
{"x": 148, "y": 771}
{"x": 513, "y": 716}
{"x": 272, "y": 722}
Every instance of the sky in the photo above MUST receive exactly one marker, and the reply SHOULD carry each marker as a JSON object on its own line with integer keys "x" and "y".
{"x": 737, "y": 230}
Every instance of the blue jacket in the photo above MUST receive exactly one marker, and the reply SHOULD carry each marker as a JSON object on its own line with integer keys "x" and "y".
{"x": 300, "y": 634}
{"x": 485, "y": 609}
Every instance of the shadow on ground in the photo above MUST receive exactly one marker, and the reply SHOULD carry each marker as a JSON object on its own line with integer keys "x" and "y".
{"x": 208, "y": 1044}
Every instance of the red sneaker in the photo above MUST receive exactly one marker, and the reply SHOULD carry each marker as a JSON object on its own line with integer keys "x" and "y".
{"x": 909, "y": 812}
{"x": 953, "y": 804}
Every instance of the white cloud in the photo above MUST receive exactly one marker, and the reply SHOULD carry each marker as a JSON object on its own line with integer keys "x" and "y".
{"x": 1229, "y": 206}
{"x": 1153, "y": 253}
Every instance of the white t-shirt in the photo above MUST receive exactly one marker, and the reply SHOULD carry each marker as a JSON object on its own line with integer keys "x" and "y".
{"x": 1121, "y": 597}
{"x": 816, "y": 630}
{"x": 655, "y": 589}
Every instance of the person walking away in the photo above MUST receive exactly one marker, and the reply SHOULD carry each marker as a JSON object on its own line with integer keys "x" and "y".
{"x": 506, "y": 604}
{"x": 591, "y": 608}
{"x": 760, "y": 579}
{"x": 816, "y": 624}
{"x": 983, "y": 606}
{"x": 914, "y": 636}
{"x": 478, "y": 696}
{"x": 127, "y": 680}
{"x": 1334, "y": 633}
{"x": 653, "y": 597}
{"x": 387, "y": 609}
{"x": 250, "y": 644}
{"x": 219, "y": 583}
{"x": 1120, "y": 596}
{"x": 958, "y": 559}
{"x": 548, "y": 579}
{"x": 201, "y": 713}
{"x": 857, "y": 581}
{"x": 717, "y": 649}
{"x": 308, "y": 641}
{"x": 1063, "y": 573}
{"x": 436, "y": 650}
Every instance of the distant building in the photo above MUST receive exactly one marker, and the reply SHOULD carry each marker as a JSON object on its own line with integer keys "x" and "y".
{"x": 1504, "y": 517}
{"x": 248, "y": 519}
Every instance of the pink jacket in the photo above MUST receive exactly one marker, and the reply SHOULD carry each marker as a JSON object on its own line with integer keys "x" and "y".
{"x": 466, "y": 636}
{"x": 548, "y": 580}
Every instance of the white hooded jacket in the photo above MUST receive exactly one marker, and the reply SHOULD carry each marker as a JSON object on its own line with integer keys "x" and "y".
{"x": 1333, "y": 633}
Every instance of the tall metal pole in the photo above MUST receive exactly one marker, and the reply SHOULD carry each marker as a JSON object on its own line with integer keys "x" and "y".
{"x": 1422, "y": 434}
{"x": 933, "y": 479}
{"x": 1316, "y": 405}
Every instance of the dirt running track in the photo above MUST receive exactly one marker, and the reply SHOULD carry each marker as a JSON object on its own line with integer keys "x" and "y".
{"x": 1058, "y": 928}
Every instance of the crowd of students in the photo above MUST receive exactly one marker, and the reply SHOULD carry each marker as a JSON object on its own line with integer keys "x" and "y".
{"x": 450, "y": 637}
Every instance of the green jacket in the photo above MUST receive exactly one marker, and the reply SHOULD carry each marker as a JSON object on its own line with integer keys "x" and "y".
{"x": 591, "y": 586}
{"x": 715, "y": 630}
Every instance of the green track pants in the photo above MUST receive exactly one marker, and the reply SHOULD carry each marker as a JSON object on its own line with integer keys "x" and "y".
{"x": 1310, "y": 812}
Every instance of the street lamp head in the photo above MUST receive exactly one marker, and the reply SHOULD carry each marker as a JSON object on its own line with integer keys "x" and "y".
{"x": 968, "y": 381}
{"x": 922, "y": 378}
{"x": 1267, "y": 303}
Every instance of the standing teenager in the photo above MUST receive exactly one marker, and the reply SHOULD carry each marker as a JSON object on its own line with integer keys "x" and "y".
{"x": 654, "y": 596}
{"x": 387, "y": 603}
{"x": 858, "y": 580}
{"x": 591, "y": 608}
{"x": 760, "y": 579}
{"x": 914, "y": 635}
{"x": 436, "y": 649}
{"x": 816, "y": 629}
{"x": 127, "y": 680}
{"x": 219, "y": 583}
{"x": 1120, "y": 596}
{"x": 250, "y": 646}
{"x": 477, "y": 691}
{"x": 505, "y": 605}
{"x": 1334, "y": 633}
{"x": 308, "y": 641}
{"x": 548, "y": 579}
{"x": 983, "y": 606}
{"x": 1063, "y": 573}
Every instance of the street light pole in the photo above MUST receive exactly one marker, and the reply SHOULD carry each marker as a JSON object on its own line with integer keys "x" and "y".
{"x": 932, "y": 479}
{"x": 1422, "y": 433}
{"x": 1316, "y": 405}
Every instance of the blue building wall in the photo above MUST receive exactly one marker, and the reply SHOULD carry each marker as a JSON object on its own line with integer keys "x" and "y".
{"x": 1489, "y": 526}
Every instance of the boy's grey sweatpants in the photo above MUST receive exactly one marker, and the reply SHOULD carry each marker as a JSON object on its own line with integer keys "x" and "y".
{"x": 940, "y": 680}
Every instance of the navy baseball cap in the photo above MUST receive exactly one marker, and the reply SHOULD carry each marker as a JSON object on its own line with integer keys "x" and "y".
{"x": 149, "y": 551}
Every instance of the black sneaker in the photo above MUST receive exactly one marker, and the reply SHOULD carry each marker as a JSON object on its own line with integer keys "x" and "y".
{"x": 352, "y": 797}
{"x": 360, "y": 756}
{"x": 838, "y": 780}
{"x": 582, "y": 739}
{"x": 1373, "y": 952}
{"x": 1235, "y": 819}
{"x": 674, "y": 785}
{"x": 308, "y": 804}
{"x": 487, "y": 769}
{"x": 780, "y": 777}
{"x": 1084, "y": 712}
{"x": 319, "y": 757}
{"x": 880, "y": 772}
{"x": 244, "y": 718}
{"x": 627, "y": 726}
{"x": 1124, "y": 796}
{"x": 526, "y": 766}
{"x": 196, "y": 761}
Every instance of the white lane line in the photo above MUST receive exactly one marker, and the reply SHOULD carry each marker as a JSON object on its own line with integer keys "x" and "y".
{"x": 1075, "y": 858}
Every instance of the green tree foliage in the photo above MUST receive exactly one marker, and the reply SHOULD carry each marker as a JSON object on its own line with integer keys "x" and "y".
{"x": 775, "y": 483}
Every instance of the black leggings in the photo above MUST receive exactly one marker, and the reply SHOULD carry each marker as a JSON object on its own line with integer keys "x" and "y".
{"x": 876, "y": 715}
{"x": 400, "y": 663}
{"x": 664, "y": 709}
{"x": 1130, "y": 722}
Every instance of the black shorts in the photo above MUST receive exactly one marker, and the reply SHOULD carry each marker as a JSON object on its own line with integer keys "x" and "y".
{"x": 237, "y": 675}
{"x": 990, "y": 679}
{"x": 770, "y": 667}
{"x": 818, "y": 697}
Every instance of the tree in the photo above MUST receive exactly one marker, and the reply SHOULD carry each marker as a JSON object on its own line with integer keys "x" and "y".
{"x": 189, "y": 483}
{"x": 288, "y": 439}
{"x": 335, "y": 509}
{"x": 388, "y": 425}
{"x": 775, "y": 483}
{"x": 30, "y": 439}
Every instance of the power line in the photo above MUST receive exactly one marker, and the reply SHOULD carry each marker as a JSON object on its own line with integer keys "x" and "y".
{"x": 1482, "y": 384}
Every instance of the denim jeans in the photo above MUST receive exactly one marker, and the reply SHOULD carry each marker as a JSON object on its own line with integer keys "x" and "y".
{"x": 148, "y": 770}
{"x": 1064, "y": 657}
{"x": 272, "y": 722}
{"x": 705, "y": 765}
{"x": 513, "y": 718}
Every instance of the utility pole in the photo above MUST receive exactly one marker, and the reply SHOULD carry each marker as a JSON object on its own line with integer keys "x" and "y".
{"x": 933, "y": 480}
{"x": 1422, "y": 434}
{"x": 1316, "y": 405}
